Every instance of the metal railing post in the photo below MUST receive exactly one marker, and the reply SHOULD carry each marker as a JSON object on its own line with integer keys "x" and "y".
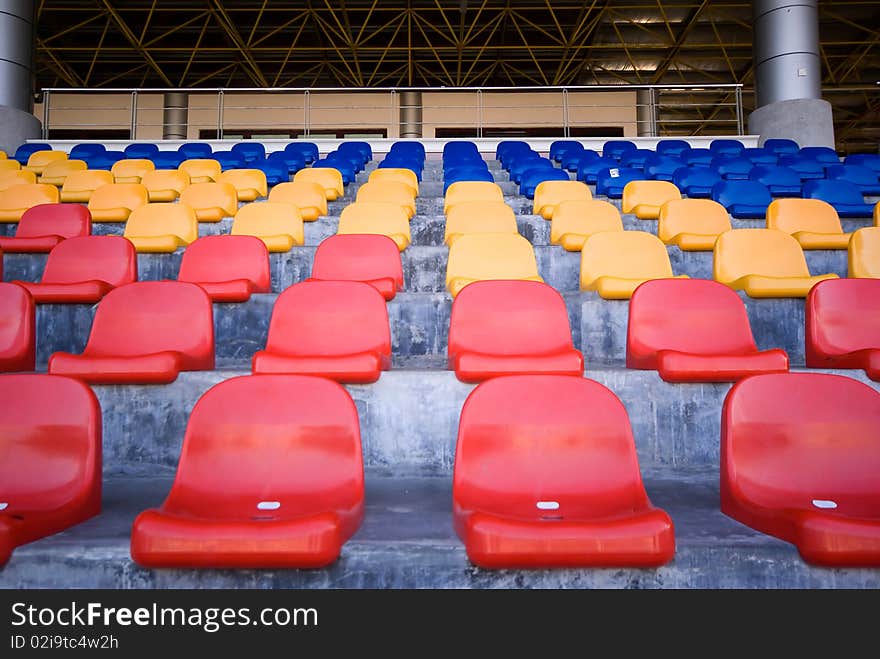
{"x": 479, "y": 113}
{"x": 134, "y": 104}
{"x": 739, "y": 111}
{"x": 391, "y": 118}
{"x": 220, "y": 102}
{"x": 307, "y": 128}
{"x": 45, "y": 129}
{"x": 566, "y": 129}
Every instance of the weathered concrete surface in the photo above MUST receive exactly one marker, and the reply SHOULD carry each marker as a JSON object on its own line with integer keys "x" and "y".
{"x": 407, "y": 541}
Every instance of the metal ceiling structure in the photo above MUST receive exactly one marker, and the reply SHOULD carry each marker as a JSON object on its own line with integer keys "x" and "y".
{"x": 412, "y": 43}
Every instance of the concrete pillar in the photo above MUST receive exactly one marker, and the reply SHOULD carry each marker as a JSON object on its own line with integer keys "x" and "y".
{"x": 788, "y": 74}
{"x": 17, "y": 122}
{"x": 411, "y": 114}
{"x": 646, "y": 118}
{"x": 175, "y": 115}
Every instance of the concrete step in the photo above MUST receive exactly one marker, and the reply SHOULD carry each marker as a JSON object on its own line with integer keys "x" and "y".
{"x": 407, "y": 541}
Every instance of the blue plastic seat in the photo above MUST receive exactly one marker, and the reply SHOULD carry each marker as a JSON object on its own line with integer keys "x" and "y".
{"x": 229, "y": 160}
{"x": 571, "y": 160}
{"x": 196, "y": 150}
{"x": 661, "y": 168}
{"x": 531, "y": 178}
{"x": 823, "y": 154}
{"x": 616, "y": 148}
{"x": 145, "y": 150}
{"x": 589, "y": 168}
{"x": 104, "y": 160}
{"x": 672, "y": 148}
{"x": 726, "y": 147}
{"x": 276, "y": 170}
{"x": 403, "y": 162}
{"x": 843, "y": 195}
{"x": 308, "y": 150}
{"x": 85, "y": 151}
{"x": 352, "y": 157}
{"x": 760, "y": 156}
{"x": 504, "y": 148}
{"x": 292, "y": 162}
{"x": 635, "y": 159}
{"x": 869, "y": 160}
{"x": 560, "y": 147}
{"x": 611, "y": 180}
{"x": 466, "y": 174}
{"x": 523, "y": 164}
{"x": 865, "y": 179}
{"x": 743, "y": 199}
{"x": 807, "y": 168}
{"x": 781, "y": 146}
{"x": 732, "y": 168}
{"x": 408, "y": 149}
{"x": 24, "y": 151}
{"x": 699, "y": 157}
{"x": 695, "y": 181}
{"x": 249, "y": 151}
{"x": 781, "y": 181}
{"x": 361, "y": 147}
{"x": 168, "y": 159}
{"x": 343, "y": 167}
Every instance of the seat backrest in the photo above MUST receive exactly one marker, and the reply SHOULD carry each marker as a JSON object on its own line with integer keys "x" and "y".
{"x": 584, "y": 218}
{"x": 857, "y": 174}
{"x": 780, "y": 145}
{"x": 17, "y": 330}
{"x": 732, "y": 193}
{"x": 672, "y": 147}
{"x": 510, "y": 318}
{"x": 295, "y": 437}
{"x": 685, "y": 177}
{"x": 471, "y": 191}
{"x": 89, "y": 179}
{"x": 625, "y": 254}
{"x": 551, "y": 193}
{"x": 226, "y": 258}
{"x": 690, "y": 315}
{"x": 201, "y": 168}
{"x": 329, "y": 178}
{"x": 201, "y": 196}
{"x": 163, "y": 219}
{"x": 269, "y": 218}
{"x": 726, "y": 147}
{"x": 65, "y": 220}
{"x": 51, "y": 443}
{"x": 141, "y": 150}
{"x": 789, "y": 440}
{"x": 616, "y": 148}
{"x": 196, "y": 150}
{"x": 864, "y": 253}
{"x": 358, "y": 257}
{"x": 546, "y": 438}
{"x": 652, "y": 193}
{"x": 62, "y": 169}
{"x": 301, "y": 193}
{"x": 491, "y": 256}
{"x": 821, "y": 153}
{"x": 246, "y": 179}
{"x": 400, "y": 174}
{"x": 16, "y": 177}
{"x": 38, "y": 160}
{"x": 329, "y": 318}
{"x": 767, "y": 252}
{"x": 835, "y": 191}
{"x": 843, "y": 315}
{"x": 131, "y": 168}
{"x": 249, "y": 150}
{"x": 697, "y": 216}
{"x": 384, "y": 217}
{"x": 793, "y": 215}
{"x": 28, "y": 194}
{"x": 775, "y": 175}
{"x": 613, "y": 179}
{"x": 152, "y": 316}
{"x": 479, "y": 217}
{"x": 119, "y": 195}
{"x": 165, "y": 179}
{"x": 111, "y": 259}
{"x": 387, "y": 191}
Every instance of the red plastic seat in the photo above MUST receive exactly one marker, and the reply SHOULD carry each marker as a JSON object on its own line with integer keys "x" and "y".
{"x": 694, "y": 330}
{"x": 546, "y": 475}
{"x": 270, "y": 476}
{"x": 43, "y": 226}
{"x": 229, "y": 268}
{"x": 83, "y": 270}
{"x": 370, "y": 258}
{"x": 842, "y": 319}
{"x": 50, "y": 474}
{"x": 800, "y": 459}
{"x": 506, "y": 327}
{"x": 337, "y": 329}
{"x": 17, "y": 329}
{"x": 146, "y": 333}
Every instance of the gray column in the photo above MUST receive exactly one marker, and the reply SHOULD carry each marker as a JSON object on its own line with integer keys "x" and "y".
{"x": 17, "y": 122}
{"x": 646, "y": 121}
{"x": 788, "y": 74}
{"x": 410, "y": 114}
{"x": 175, "y": 116}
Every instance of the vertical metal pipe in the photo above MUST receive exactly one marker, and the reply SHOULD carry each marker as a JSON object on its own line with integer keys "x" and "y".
{"x": 645, "y": 122}
{"x": 220, "y": 115}
{"x": 134, "y": 116}
{"x": 17, "y": 54}
{"x": 45, "y": 128}
{"x": 411, "y": 114}
{"x": 175, "y": 115}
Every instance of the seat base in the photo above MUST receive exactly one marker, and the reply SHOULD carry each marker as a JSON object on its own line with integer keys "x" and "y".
{"x": 360, "y": 368}
{"x": 810, "y": 240}
{"x": 675, "y": 366}
{"x": 387, "y": 286}
{"x": 618, "y": 288}
{"x": 760, "y": 286}
{"x": 156, "y": 368}
{"x": 476, "y": 367}
{"x": 81, "y": 292}
{"x": 834, "y": 541}
{"x": 34, "y": 245}
{"x": 234, "y": 290}
{"x": 695, "y": 242}
{"x": 157, "y": 244}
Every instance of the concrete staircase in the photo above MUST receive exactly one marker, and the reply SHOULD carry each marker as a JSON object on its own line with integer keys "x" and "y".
{"x": 409, "y": 422}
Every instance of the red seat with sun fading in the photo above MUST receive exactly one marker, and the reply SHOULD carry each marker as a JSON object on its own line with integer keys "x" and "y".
{"x": 50, "y": 471}
{"x": 17, "y": 329}
{"x": 270, "y": 476}
{"x": 83, "y": 270}
{"x": 694, "y": 330}
{"x": 507, "y": 327}
{"x": 546, "y": 475}
{"x": 370, "y": 258}
{"x": 800, "y": 459}
{"x": 43, "y": 226}
{"x": 842, "y": 319}
{"x": 145, "y": 333}
{"x": 336, "y": 329}
{"x": 229, "y": 268}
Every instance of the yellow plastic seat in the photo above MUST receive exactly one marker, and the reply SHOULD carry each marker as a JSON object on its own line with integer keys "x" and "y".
{"x": 277, "y": 223}
{"x": 308, "y": 196}
{"x": 400, "y": 174}
{"x": 382, "y": 217}
{"x": 57, "y": 171}
{"x": 16, "y": 200}
{"x": 692, "y": 224}
{"x": 165, "y": 184}
{"x": 38, "y": 160}
{"x": 877, "y": 214}
{"x": 16, "y": 177}
{"x": 79, "y": 185}
{"x": 388, "y": 191}
{"x": 644, "y": 198}
{"x": 131, "y": 170}
{"x": 479, "y": 256}
{"x": 479, "y": 217}
{"x": 471, "y": 191}
{"x": 10, "y": 164}
{"x": 327, "y": 177}
{"x": 576, "y": 220}
{"x": 614, "y": 263}
{"x": 814, "y": 223}
{"x": 201, "y": 170}
{"x": 763, "y": 263}
{"x": 161, "y": 227}
{"x": 211, "y": 201}
{"x": 114, "y": 202}
{"x": 3, "y": 155}
{"x": 864, "y": 253}
{"x": 549, "y": 194}
{"x": 249, "y": 184}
